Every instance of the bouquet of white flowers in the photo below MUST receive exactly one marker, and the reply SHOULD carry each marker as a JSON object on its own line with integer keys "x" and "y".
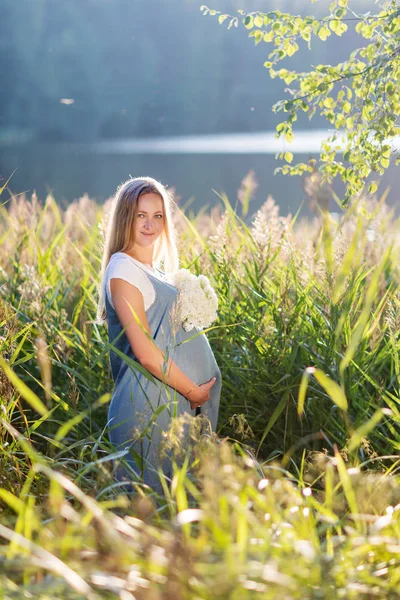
{"x": 197, "y": 301}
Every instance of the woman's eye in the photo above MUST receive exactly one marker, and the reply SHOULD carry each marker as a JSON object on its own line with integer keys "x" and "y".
{"x": 156, "y": 216}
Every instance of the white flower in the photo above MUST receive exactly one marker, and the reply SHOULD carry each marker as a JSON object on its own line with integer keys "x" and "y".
{"x": 197, "y": 301}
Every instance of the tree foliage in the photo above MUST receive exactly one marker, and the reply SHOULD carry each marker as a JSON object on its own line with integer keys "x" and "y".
{"x": 359, "y": 97}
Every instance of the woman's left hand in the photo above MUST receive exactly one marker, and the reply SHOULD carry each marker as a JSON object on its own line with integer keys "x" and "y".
{"x": 202, "y": 393}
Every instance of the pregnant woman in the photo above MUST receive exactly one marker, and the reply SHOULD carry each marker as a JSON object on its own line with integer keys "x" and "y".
{"x": 159, "y": 369}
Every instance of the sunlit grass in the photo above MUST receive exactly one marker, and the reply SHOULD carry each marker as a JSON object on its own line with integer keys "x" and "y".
{"x": 299, "y": 500}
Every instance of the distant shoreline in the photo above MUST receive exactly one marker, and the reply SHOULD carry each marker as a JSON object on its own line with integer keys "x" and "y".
{"x": 228, "y": 143}
{"x": 305, "y": 142}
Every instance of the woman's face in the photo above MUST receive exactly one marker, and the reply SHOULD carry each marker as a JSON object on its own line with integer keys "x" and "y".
{"x": 149, "y": 221}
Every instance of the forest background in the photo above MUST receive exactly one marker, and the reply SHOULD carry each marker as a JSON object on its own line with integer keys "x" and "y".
{"x": 136, "y": 68}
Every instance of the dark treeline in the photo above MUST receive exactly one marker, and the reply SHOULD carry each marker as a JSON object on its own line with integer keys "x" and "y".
{"x": 140, "y": 68}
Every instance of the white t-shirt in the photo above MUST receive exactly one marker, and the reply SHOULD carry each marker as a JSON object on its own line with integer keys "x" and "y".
{"x": 123, "y": 266}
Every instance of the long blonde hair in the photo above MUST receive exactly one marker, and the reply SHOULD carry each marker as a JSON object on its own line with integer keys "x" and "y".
{"x": 120, "y": 229}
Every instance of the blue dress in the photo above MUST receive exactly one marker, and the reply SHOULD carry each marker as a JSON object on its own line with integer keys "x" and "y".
{"x": 141, "y": 410}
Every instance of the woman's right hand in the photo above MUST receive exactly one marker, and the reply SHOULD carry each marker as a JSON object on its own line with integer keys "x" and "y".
{"x": 201, "y": 393}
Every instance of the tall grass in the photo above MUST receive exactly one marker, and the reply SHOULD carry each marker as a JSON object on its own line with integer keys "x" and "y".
{"x": 301, "y": 502}
{"x": 227, "y": 528}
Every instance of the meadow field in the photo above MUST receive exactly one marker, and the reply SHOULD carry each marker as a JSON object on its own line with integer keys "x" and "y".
{"x": 296, "y": 497}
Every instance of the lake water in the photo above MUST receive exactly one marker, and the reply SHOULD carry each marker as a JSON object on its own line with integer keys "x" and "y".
{"x": 194, "y": 166}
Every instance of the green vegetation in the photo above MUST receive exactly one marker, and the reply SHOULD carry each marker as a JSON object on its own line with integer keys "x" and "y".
{"x": 298, "y": 497}
{"x": 359, "y": 97}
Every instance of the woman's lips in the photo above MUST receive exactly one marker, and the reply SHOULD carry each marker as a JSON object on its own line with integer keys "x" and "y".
{"x": 148, "y": 234}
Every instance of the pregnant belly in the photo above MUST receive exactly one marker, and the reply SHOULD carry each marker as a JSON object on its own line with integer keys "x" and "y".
{"x": 194, "y": 356}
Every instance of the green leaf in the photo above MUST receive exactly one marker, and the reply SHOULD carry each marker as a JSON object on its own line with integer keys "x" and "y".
{"x": 289, "y": 137}
{"x": 233, "y": 22}
{"x": 338, "y": 27}
{"x": 302, "y": 392}
{"x": 288, "y": 156}
{"x": 3, "y": 187}
{"x": 333, "y": 390}
{"x": 23, "y": 389}
{"x": 328, "y": 102}
{"x": 292, "y": 48}
{"x": 345, "y": 480}
{"x": 258, "y": 36}
{"x": 323, "y": 33}
{"x": 373, "y": 186}
{"x": 278, "y": 410}
{"x": 288, "y": 105}
{"x": 248, "y": 22}
{"x": 385, "y": 162}
{"x": 367, "y": 427}
{"x": 13, "y": 502}
{"x": 365, "y": 315}
{"x": 346, "y": 107}
{"x": 66, "y": 427}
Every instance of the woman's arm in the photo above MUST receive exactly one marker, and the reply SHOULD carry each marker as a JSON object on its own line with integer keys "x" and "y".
{"x": 126, "y": 299}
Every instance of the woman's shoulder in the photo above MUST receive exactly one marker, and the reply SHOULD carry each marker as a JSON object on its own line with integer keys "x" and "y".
{"x": 120, "y": 258}
{"x": 120, "y": 264}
